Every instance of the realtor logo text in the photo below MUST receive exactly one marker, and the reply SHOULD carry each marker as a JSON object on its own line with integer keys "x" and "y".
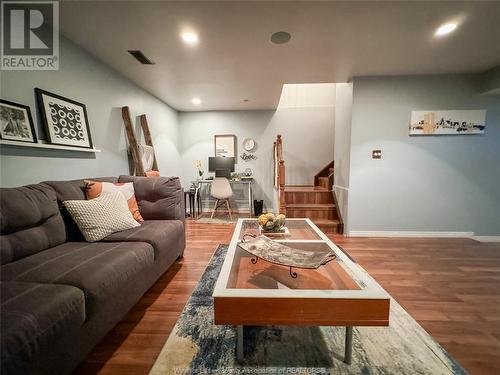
{"x": 30, "y": 35}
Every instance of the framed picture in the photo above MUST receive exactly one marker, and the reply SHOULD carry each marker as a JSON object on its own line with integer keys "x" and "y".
{"x": 448, "y": 122}
{"x": 225, "y": 145}
{"x": 65, "y": 120}
{"x": 16, "y": 123}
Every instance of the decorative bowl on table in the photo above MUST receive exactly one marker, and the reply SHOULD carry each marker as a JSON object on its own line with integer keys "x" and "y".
{"x": 270, "y": 223}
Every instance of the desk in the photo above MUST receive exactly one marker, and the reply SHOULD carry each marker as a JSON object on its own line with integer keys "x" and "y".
{"x": 246, "y": 181}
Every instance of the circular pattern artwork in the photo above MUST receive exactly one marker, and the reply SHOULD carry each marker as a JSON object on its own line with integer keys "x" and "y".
{"x": 64, "y": 122}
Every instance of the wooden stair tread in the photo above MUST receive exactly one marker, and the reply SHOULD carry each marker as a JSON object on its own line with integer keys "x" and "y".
{"x": 328, "y": 226}
{"x": 316, "y": 202}
{"x": 325, "y": 222}
{"x": 305, "y": 189}
{"x": 311, "y": 206}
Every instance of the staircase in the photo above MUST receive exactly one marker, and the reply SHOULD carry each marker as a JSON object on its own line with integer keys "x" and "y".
{"x": 316, "y": 202}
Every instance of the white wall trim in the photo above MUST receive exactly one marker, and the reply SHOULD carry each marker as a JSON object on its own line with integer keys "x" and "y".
{"x": 360, "y": 233}
{"x": 340, "y": 187}
{"x": 487, "y": 238}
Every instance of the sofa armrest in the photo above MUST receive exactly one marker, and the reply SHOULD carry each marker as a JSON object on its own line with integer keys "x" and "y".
{"x": 158, "y": 198}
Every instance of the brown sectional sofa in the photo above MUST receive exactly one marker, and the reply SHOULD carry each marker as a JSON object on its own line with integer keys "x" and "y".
{"x": 59, "y": 294}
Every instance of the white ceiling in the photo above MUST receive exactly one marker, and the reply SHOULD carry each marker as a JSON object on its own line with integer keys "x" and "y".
{"x": 331, "y": 42}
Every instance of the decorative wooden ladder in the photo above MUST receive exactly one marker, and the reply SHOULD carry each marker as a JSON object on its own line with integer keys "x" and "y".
{"x": 134, "y": 145}
{"x": 148, "y": 138}
{"x": 279, "y": 173}
{"x": 316, "y": 202}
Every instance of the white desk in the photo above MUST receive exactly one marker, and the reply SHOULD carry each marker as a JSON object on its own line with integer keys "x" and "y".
{"x": 245, "y": 181}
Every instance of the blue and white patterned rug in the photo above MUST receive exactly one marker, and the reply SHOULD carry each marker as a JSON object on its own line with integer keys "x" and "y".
{"x": 197, "y": 346}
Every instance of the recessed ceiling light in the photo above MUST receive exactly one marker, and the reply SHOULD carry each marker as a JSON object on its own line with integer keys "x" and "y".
{"x": 196, "y": 101}
{"x": 190, "y": 37}
{"x": 446, "y": 29}
{"x": 280, "y": 37}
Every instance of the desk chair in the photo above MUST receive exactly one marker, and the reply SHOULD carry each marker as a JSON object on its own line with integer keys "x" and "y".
{"x": 221, "y": 191}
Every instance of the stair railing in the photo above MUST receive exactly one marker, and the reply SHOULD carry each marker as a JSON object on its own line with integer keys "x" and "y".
{"x": 327, "y": 171}
{"x": 279, "y": 173}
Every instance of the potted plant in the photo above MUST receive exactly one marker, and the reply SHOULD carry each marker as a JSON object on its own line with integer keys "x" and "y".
{"x": 199, "y": 166}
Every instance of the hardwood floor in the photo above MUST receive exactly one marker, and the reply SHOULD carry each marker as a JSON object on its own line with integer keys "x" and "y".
{"x": 133, "y": 345}
{"x": 450, "y": 286}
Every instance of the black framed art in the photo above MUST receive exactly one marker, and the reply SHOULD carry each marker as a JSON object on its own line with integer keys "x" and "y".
{"x": 225, "y": 145}
{"x": 65, "y": 120}
{"x": 16, "y": 123}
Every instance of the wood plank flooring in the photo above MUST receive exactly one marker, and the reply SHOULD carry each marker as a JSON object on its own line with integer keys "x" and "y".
{"x": 133, "y": 345}
{"x": 451, "y": 287}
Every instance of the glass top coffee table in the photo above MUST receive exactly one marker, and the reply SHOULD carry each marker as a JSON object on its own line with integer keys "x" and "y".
{"x": 260, "y": 293}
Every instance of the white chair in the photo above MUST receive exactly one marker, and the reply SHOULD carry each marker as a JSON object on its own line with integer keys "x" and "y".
{"x": 221, "y": 191}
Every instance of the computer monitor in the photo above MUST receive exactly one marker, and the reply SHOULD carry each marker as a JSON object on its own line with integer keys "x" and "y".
{"x": 221, "y": 165}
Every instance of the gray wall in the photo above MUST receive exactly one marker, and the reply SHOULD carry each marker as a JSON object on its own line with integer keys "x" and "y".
{"x": 104, "y": 92}
{"x": 197, "y": 130}
{"x": 307, "y": 142}
{"x": 489, "y": 81}
{"x": 426, "y": 183}
{"x": 308, "y": 136}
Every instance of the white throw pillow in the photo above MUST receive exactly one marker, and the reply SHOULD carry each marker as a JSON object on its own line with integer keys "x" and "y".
{"x": 99, "y": 217}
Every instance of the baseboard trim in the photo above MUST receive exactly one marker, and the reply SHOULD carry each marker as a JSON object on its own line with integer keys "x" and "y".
{"x": 360, "y": 233}
{"x": 487, "y": 238}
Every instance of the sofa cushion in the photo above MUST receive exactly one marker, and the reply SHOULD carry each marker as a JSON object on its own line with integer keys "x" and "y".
{"x": 163, "y": 235}
{"x": 94, "y": 189}
{"x": 34, "y": 316}
{"x": 29, "y": 221}
{"x": 159, "y": 198}
{"x": 102, "y": 216}
{"x": 72, "y": 190}
{"x": 99, "y": 269}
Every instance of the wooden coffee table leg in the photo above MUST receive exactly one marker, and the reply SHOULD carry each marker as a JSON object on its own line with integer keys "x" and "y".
{"x": 239, "y": 344}
{"x": 348, "y": 345}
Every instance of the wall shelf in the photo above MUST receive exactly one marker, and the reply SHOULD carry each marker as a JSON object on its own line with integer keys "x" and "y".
{"x": 47, "y": 146}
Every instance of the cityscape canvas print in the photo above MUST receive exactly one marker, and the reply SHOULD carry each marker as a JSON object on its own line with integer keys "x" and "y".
{"x": 16, "y": 123}
{"x": 447, "y": 122}
{"x": 65, "y": 120}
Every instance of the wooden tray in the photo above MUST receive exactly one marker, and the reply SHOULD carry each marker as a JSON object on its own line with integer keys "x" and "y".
{"x": 275, "y": 252}
{"x": 285, "y": 233}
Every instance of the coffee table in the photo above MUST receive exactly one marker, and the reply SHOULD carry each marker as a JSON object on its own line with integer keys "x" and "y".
{"x": 339, "y": 293}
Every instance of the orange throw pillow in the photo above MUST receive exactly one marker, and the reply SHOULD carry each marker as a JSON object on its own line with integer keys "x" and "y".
{"x": 152, "y": 174}
{"x": 94, "y": 189}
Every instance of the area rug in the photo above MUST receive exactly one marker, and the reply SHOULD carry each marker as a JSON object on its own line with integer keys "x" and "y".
{"x": 197, "y": 346}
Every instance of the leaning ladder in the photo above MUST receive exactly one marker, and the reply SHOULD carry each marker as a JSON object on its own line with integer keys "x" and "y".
{"x": 134, "y": 145}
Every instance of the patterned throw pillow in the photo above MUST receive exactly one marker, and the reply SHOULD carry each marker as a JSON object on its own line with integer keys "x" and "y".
{"x": 102, "y": 216}
{"x": 94, "y": 189}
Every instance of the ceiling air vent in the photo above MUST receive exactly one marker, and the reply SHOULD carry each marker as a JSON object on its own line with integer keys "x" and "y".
{"x": 139, "y": 56}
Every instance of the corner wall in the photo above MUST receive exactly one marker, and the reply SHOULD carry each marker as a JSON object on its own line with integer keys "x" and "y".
{"x": 307, "y": 143}
{"x": 426, "y": 183}
{"x": 83, "y": 78}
